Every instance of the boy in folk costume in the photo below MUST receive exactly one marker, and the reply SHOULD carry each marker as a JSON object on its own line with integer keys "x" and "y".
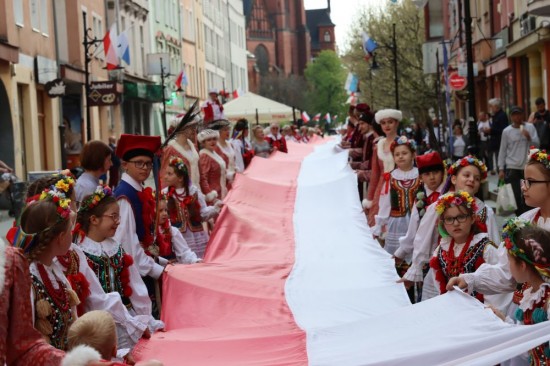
{"x": 137, "y": 206}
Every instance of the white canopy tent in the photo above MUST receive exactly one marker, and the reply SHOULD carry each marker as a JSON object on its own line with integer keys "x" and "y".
{"x": 257, "y": 109}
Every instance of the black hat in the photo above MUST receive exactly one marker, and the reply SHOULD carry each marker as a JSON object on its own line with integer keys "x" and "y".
{"x": 516, "y": 109}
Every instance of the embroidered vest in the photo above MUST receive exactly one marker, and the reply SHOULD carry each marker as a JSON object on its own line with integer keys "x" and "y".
{"x": 187, "y": 215}
{"x": 108, "y": 271}
{"x": 472, "y": 260}
{"x": 402, "y": 196}
{"x": 60, "y": 320}
{"x": 540, "y": 355}
{"x": 124, "y": 189}
{"x": 79, "y": 283}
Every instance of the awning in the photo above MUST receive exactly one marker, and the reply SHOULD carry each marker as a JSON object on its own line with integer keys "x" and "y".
{"x": 249, "y": 105}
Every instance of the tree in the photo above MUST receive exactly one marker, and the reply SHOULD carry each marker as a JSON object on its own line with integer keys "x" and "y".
{"x": 325, "y": 77}
{"x": 416, "y": 90}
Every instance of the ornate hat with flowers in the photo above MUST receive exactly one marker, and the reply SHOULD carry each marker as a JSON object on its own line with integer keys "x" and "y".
{"x": 177, "y": 163}
{"x": 95, "y": 198}
{"x": 403, "y": 140}
{"x": 469, "y": 160}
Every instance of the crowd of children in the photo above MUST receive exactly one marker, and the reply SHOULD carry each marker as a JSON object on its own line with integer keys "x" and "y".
{"x": 440, "y": 232}
{"x": 95, "y": 262}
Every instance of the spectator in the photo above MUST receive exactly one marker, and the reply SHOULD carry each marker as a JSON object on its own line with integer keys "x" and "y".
{"x": 482, "y": 125}
{"x": 96, "y": 161}
{"x": 499, "y": 121}
{"x": 541, "y": 119}
{"x": 114, "y": 171}
{"x": 512, "y": 157}
{"x": 259, "y": 144}
{"x": 243, "y": 150}
{"x": 459, "y": 142}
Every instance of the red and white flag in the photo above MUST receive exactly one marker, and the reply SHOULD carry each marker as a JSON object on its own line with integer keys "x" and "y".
{"x": 305, "y": 117}
{"x": 327, "y": 118}
{"x": 317, "y": 117}
{"x": 181, "y": 80}
{"x": 236, "y": 94}
{"x": 110, "y": 44}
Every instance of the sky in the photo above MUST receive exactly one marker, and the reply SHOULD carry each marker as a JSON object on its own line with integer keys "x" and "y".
{"x": 342, "y": 14}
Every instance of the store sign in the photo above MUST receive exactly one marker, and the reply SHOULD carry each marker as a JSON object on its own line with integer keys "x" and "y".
{"x": 55, "y": 88}
{"x": 104, "y": 93}
{"x": 457, "y": 82}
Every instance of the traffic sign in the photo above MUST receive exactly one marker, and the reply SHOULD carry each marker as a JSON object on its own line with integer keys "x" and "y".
{"x": 457, "y": 82}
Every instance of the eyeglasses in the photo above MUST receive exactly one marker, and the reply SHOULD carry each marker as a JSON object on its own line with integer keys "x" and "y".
{"x": 526, "y": 183}
{"x": 114, "y": 216}
{"x": 140, "y": 164}
{"x": 451, "y": 220}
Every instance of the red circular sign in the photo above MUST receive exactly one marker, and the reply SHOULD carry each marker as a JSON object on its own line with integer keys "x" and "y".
{"x": 457, "y": 82}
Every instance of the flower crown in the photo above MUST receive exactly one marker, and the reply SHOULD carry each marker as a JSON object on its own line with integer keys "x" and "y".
{"x": 509, "y": 232}
{"x": 178, "y": 164}
{"x": 61, "y": 201}
{"x": 403, "y": 140}
{"x": 459, "y": 198}
{"x": 64, "y": 185}
{"x": 93, "y": 200}
{"x": 540, "y": 156}
{"x": 469, "y": 160}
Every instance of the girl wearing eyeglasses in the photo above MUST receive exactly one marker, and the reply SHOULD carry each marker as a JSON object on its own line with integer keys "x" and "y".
{"x": 99, "y": 218}
{"x": 463, "y": 246}
{"x": 465, "y": 174}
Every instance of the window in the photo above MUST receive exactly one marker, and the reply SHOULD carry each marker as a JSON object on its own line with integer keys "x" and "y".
{"x": 35, "y": 16}
{"x": 44, "y": 26}
{"x": 327, "y": 36}
{"x": 18, "y": 12}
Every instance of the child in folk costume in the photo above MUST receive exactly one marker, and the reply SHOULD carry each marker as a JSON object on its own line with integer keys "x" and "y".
{"x": 45, "y": 233}
{"x": 397, "y": 196}
{"x": 463, "y": 247}
{"x": 465, "y": 174}
{"x": 99, "y": 217}
{"x": 183, "y": 146}
{"x": 528, "y": 253}
{"x": 244, "y": 152}
{"x": 213, "y": 169}
{"x": 224, "y": 148}
{"x": 382, "y": 159}
{"x": 275, "y": 139}
{"x": 186, "y": 206}
{"x": 432, "y": 171}
{"x": 172, "y": 245}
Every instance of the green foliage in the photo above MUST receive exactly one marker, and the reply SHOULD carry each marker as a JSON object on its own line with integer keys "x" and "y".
{"x": 416, "y": 90}
{"x": 325, "y": 77}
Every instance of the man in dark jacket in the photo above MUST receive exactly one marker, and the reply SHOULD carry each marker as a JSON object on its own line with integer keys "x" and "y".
{"x": 499, "y": 121}
{"x": 541, "y": 119}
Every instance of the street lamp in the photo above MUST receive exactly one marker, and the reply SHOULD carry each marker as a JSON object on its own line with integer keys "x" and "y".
{"x": 375, "y": 66}
{"x": 88, "y": 43}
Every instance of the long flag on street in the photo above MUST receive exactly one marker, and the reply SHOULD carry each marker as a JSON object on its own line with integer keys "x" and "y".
{"x": 110, "y": 43}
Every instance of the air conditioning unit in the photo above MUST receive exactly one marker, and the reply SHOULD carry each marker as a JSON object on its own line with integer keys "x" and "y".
{"x": 527, "y": 25}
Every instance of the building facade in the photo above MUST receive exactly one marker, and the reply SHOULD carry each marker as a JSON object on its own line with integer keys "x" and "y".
{"x": 321, "y": 30}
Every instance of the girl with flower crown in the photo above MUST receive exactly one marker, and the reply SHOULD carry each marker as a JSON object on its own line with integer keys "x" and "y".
{"x": 187, "y": 207}
{"x": 528, "y": 252}
{"x": 44, "y": 234}
{"x": 397, "y": 196}
{"x": 463, "y": 247}
{"x": 99, "y": 217}
{"x": 465, "y": 174}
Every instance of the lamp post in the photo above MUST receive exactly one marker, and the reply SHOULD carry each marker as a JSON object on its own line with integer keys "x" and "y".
{"x": 88, "y": 43}
{"x": 375, "y": 65}
{"x": 472, "y": 128}
{"x": 162, "y": 78}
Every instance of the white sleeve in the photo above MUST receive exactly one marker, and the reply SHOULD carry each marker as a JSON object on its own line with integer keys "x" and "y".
{"x": 184, "y": 254}
{"x": 384, "y": 208}
{"x": 492, "y": 226}
{"x": 535, "y": 140}
{"x": 110, "y": 302}
{"x": 406, "y": 242}
{"x": 239, "y": 162}
{"x": 491, "y": 279}
{"x": 426, "y": 237}
{"x": 141, "y": 302}
{"x": 126, "y": 235}
{"x": 207, "y": 212}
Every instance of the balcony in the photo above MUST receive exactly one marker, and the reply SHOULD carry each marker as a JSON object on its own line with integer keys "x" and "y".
{"x": 538, "y": 7}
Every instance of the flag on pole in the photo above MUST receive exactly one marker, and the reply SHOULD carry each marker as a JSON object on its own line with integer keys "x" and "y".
{"x": 369, "y": 44}
{"x": 123, "y": 47}
{"x": 352, "y": 99}
{"x": 180, "y": 80}
{"x": 110, "y": 42}
{"x": 447, "y": 92}
{"x": 327, "y": 118}
{"x": 236, "y": 93}
{"x": 317, "y": 117}
{"x": 305, "y": 117}
{"x": 351, "y": 83}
